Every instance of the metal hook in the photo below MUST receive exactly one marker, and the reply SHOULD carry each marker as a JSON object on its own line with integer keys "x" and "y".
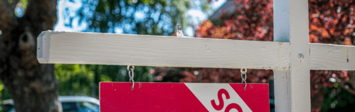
{"x": 179, "y": 27}
{"x": 131, "y": 74}
{"x": 243, "y": 71}
{"x": 179, "y": 32}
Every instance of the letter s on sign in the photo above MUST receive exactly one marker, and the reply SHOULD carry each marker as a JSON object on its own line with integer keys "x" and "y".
{"x": 221, "y": 102}
{"x": 233, "y": 106}
{"x": 220, "y": 99}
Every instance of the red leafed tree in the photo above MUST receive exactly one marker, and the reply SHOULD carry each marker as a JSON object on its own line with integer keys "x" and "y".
{"x": 330, "y": 21}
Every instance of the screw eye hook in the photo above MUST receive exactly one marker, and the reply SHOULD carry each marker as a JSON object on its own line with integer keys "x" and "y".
{"x": 179, "y": 32}
{"x": 243, "y": 72}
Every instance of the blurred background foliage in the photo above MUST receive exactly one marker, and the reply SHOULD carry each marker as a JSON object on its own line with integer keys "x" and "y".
{"x": 337, "y": 97}
{"x": 148, "y": 17}
{"x": 331, "y": 21}
{"x": 153, "y": 17}
{"x": 75, "y": 79}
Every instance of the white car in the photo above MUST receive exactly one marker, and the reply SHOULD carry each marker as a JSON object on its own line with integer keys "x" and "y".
{"x": 69, "y": 104}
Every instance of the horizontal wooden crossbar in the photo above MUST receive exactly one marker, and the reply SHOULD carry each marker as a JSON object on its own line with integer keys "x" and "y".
{"x": 332, "y": 57}
{"x": 122, "y": 49}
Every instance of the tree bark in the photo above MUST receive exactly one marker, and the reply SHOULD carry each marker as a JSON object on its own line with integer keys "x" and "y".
{"x": 33, "y": 86}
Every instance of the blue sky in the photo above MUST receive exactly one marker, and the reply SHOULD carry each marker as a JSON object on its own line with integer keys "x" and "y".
{"x": 70, "y": 7}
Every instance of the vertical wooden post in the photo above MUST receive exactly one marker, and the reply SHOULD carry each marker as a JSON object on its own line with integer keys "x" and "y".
{"x": 292, "y": 86}
{"x": 282, "y": 92}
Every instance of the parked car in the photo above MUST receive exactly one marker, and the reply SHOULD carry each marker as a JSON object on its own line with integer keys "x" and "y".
{"x": 69, "y": 104}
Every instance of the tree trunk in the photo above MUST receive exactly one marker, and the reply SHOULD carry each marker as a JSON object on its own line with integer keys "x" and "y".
{"x": 33, "y": 86}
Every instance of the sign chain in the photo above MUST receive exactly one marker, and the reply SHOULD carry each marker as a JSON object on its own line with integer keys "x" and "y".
{"x": 131, "y": 74}
{"x": 243, "y": 72}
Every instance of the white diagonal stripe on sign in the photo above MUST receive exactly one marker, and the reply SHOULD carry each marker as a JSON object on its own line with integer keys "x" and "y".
{"x": 207, "y": 92}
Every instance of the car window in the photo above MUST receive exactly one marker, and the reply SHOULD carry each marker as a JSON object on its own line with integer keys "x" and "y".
{"x": 88, "y": 107}
{"x": 9, "y": 108}
{"x": 70, "y": 107}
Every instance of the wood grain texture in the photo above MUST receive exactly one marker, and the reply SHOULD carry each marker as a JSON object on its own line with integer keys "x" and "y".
{"x": 299, "y": 75}
{"x": 120, "y": 49}
{"x": 332, "y": 57}
{"x": 282, "y": 34}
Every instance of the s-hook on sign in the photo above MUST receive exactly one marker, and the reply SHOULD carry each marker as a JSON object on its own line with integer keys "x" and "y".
{"x": 183, "y": 97}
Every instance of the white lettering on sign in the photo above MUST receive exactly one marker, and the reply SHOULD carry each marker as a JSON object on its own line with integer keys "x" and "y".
{"x": 218, "y": 97}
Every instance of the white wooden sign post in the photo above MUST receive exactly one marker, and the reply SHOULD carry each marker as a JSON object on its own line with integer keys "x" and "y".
{"x": 292, "y": 86}
{"x": 291, "y": 56}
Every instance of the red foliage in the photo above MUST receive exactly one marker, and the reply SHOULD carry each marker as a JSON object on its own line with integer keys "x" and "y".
{"x": 253, "y": 22}
{"x": 331, "y": 21}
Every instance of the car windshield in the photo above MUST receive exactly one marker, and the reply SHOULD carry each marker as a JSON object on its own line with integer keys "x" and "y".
{"x": 88, "y": 107}
{"x": 80, "y": 107}
{"x": 9, "y": 108}
{"x": 70, "y": 107}
{"x": 69, "y": 104}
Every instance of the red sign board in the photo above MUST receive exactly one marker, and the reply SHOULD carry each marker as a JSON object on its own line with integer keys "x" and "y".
{"x": 183, "y": 97}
